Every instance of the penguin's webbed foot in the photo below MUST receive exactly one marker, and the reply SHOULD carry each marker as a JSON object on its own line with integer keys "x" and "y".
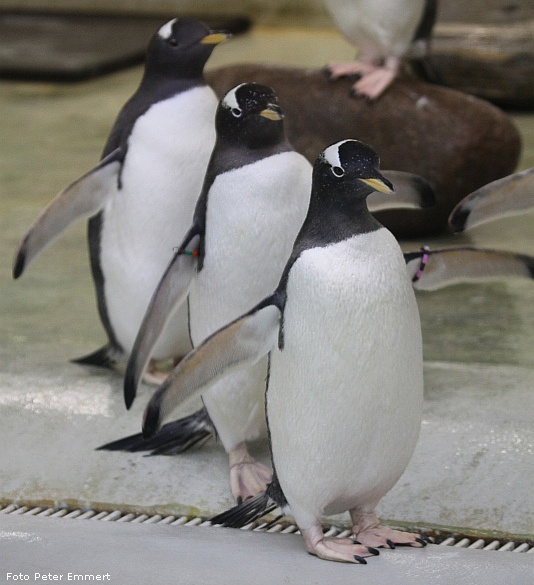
{"x": 155, "y": 376}
{"x": 248, "y": 477}
{"x": 368, "y": 531}
{"x": 374, "y": 84}
{"x": 335, "y": 549}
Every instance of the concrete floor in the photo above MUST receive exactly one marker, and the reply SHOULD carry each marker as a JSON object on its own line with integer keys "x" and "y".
{"x": 473, "y": 467}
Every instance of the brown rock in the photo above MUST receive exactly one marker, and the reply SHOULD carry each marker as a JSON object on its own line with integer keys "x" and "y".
{"x": 457, "y": 142}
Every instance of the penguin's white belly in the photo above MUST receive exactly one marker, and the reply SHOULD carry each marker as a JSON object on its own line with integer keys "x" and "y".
{"x": 168, "y": 152}
{"x": 345, "y": 394}
{"x": 379, "y": 28}
{"x": 254, "y": 214}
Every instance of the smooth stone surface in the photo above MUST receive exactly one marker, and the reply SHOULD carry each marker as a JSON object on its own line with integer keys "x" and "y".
{"x": 472, "y": 468}
{"x": 455, "y": 141}
{"x": 139, "y": 554}
{"x": 492, "y": 61}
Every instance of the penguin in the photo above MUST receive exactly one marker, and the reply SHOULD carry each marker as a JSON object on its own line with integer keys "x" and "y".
{"x": 345, "y": 383}
{"x": 384, "y": 33}
{"x": 501, "y": 198}
{"x": 251, "y": 207}
{"x": 141, "y": 196}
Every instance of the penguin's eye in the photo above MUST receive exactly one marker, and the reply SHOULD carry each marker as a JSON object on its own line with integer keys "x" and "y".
{"x": 173, "y": 42}
{"x": 338, "y": 172}
{"x": 236, "y": 112}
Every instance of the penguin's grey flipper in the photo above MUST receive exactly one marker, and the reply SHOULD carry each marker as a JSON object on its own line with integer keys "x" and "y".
{"x": 80, "y": 200}
{"x": 173, "y": 438}
{"x": 504, "y": 197}
{"x": 241, "y": 343}
{"x": 411, "y": 192}
{"x": 170, "y": 293}
{"x": 435, "y": 269}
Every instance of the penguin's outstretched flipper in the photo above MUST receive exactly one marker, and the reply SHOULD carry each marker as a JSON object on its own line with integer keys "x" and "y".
{"x": 173, "y": 438}
{"x": 435, "y": 269}
{"x": 80, "y": 200}
{"x": 411, "y": 192}
{"x": 170, "y": 293}
{"x": 507, "y": 196}
{"x": 241, "y": 343}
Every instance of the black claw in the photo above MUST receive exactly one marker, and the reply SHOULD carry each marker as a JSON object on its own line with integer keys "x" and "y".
{"x": 360, "y": 560}
{"x": 327, "y": 73}
{"x": 421, "y": 541}
{"x": 390, "y": 544}
{"x": 373, "y": 551}
{"x": 427, "y": 539}
{"x": 356, "y": 542}
{"x": 239, "y": 500}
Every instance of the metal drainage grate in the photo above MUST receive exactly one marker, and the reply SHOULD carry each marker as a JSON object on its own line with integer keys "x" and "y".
{"x": 274, "y": 526}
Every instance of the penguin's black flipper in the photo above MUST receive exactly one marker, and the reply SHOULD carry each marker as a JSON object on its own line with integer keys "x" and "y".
{"x": 80, "y": 200}
{"x": 241, "y": 343}
{"x": 105, "y": 357}
{"x": 411, "y": 192}
{"x": 507, "y": 196}
{"x": 246, "y": 512}
{"x": 435, "y": 269}
{"x": 173, "y": 438}
{"x": 170, "y": 293}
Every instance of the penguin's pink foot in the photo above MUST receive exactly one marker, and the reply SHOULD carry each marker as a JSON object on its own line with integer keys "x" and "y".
{"x": 333, "y": 549}
{"x": 154, "y": 376}
{"x": 372, "y": 85}
{"x": 248, "y": 477}
{"x": 336, "y": 70}
{"x": 368, "y": 531}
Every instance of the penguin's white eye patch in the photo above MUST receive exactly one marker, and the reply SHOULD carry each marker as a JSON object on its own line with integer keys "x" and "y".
{"x": 236, "y": 112}
{"x": 338, "y": 172}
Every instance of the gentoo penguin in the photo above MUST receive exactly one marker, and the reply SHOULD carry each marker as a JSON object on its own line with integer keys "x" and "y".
{"x": 140, "y": 198}
{"x": 345, "y": 387}
{"x": 505, "y": 197}
{"x": 251, "y": 207}
{"x": 384, "y": 32}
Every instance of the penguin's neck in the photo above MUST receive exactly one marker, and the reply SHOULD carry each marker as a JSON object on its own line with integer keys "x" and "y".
{"x": 332, "y": 219}
{"x": 231, "y": 154}
{"x": 168, "y": 85}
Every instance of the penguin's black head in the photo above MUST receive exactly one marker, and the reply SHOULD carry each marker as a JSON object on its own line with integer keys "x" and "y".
{"x": 249, "y": 115}
{"x": 181, "y": 47}
{"x": 349, "y": 169}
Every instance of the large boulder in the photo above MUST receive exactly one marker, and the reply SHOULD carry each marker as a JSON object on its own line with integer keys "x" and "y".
{"x": 456, "y": 141}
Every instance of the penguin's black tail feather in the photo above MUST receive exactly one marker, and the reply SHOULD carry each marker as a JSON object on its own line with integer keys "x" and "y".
{"x": 246, "y": 512}
{"x": 172, "y": 439}
{"x": 105, "y": 357}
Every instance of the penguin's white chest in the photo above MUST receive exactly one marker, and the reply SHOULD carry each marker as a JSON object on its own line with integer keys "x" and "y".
{"x": 168, "y": 152}
{"x": 378, "y": 27}
{"x": 254, "y": 214}
{"x": 345, "y": 394}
